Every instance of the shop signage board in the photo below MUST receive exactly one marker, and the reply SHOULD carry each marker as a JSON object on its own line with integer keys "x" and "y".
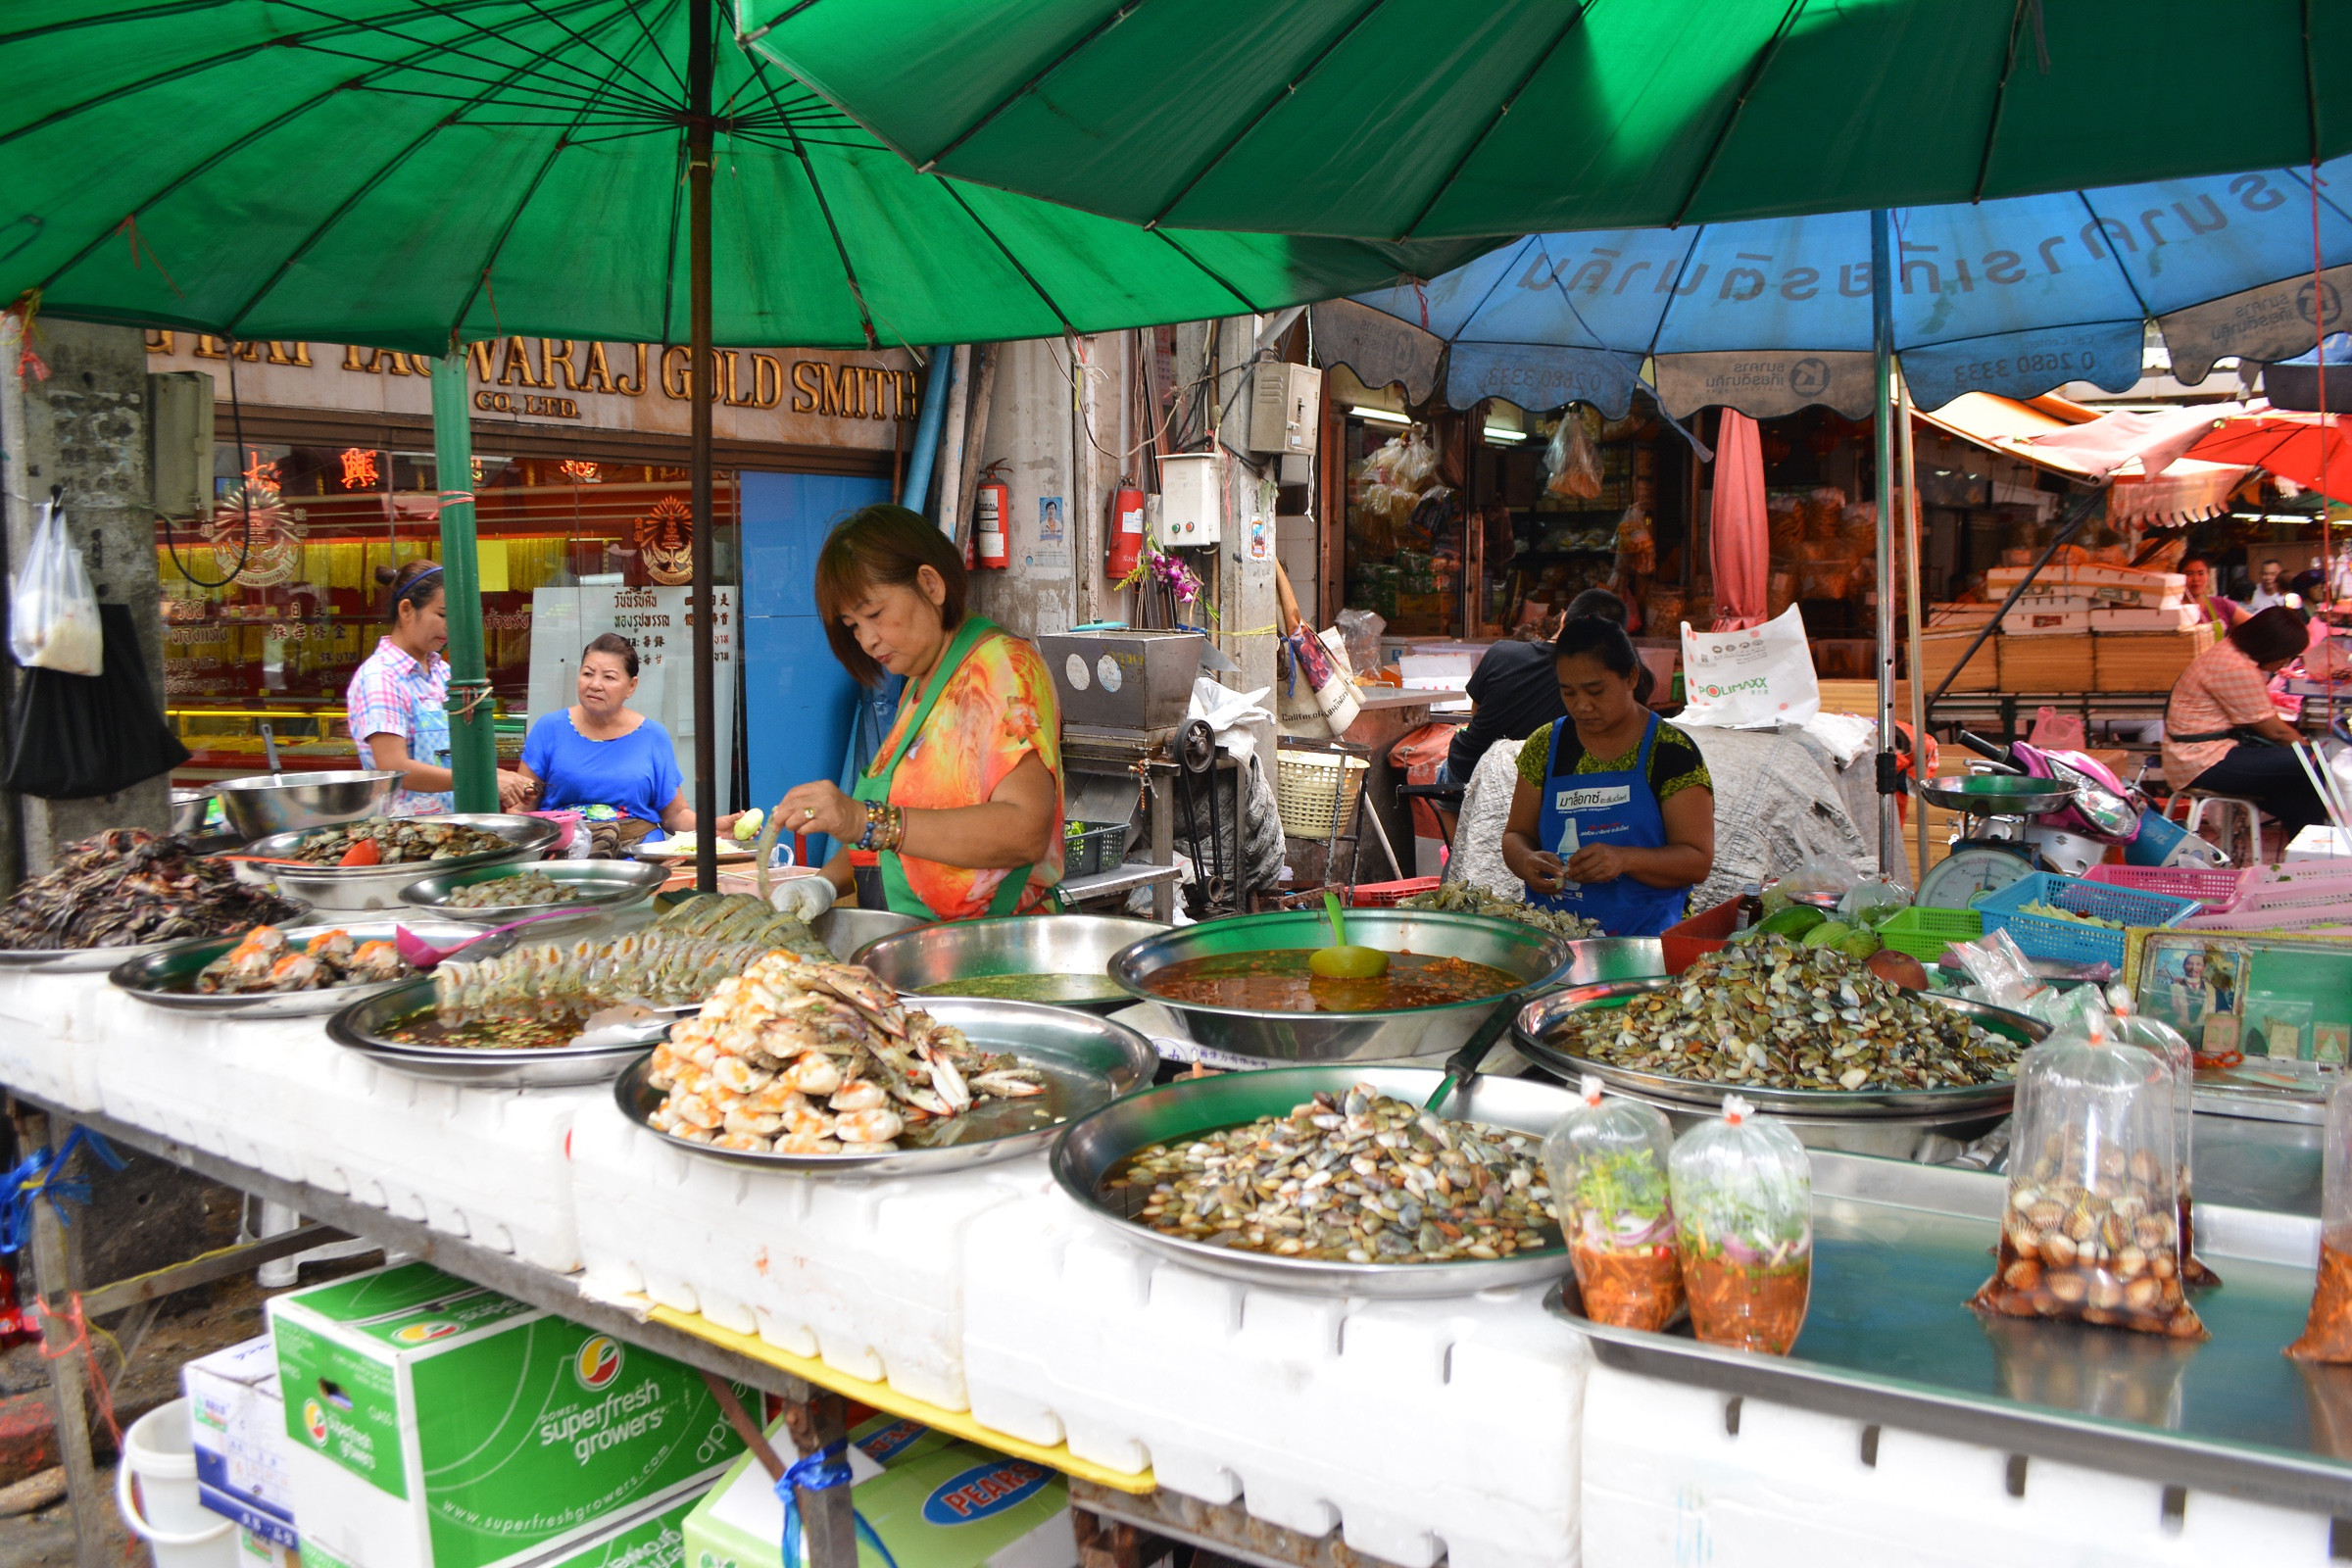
{"x": 660, "y": 622}
{"x": 802, "y": 397}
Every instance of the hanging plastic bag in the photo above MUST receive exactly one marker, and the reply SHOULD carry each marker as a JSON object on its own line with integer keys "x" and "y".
{"x": 1742, "y": 1194}
{"x": 53, "y": 615}
{"x": 1572, "y": 459}
{"x": 1333, "y": 688}
{"x": 1607, "y": 1163}
{"x": 2091, "y": 1230}
{"x": 74, "y": 737}
{"x": 1359, "y": 631}
{"x": 1759, "y": 679}
{"x": 2327, "y": 1329}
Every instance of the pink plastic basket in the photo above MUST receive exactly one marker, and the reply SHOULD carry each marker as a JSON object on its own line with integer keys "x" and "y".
{"x": 2214, "y": 889}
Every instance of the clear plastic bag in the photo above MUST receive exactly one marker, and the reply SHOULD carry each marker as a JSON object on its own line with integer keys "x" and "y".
{"x": 53, "y": 615}
{"x": 1359, "y": 630}
{"x": 2091, "y": 1229}
{"x": 1742, "y": 1192}
{"x": 2000, "y": 970}
{"x": 2152, "y": 1034}
{"x": 2327, "y": 1329}
{"x": 1821, "y": 881}
{"x": 1572, "y": 459}
{"x": 1607, "y": 1163}
{"x": 1871, "y": 902}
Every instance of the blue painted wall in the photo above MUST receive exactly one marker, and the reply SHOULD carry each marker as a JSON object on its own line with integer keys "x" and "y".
{"x": 797, "y": 697}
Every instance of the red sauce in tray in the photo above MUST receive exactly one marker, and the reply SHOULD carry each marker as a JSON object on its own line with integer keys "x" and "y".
{"x": 1278, "y": 981}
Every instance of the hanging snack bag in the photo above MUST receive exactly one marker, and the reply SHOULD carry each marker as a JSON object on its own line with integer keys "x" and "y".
{"x": 2328, "y": 1331}
{"x": 2091, "y": 1230}
{"x": 2153, "y": 1034}
{"x": 1743, "y": 1194}
{"x": 1573, "y": 459}
{"x": 1607, "y": 1163}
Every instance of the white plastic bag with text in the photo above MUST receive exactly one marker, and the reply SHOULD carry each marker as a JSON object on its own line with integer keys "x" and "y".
{"x": 53, "y": 616}
{"x": 1753, "y": 679}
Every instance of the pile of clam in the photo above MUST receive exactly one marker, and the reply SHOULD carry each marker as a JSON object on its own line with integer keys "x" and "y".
{"x": 2108, "y": 1253}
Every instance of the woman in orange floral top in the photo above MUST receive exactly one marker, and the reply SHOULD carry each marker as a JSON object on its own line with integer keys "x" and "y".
{"x": 959, "y": 816}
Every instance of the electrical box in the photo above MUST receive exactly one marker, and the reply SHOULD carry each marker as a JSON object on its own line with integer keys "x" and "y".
{"x": 1192, "y": 500}
{"x": 1286, "y": 408}
{"x": 179, "y": 436}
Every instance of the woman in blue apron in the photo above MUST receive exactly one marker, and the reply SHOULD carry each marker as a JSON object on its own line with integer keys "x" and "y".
{"x": 397, "y": 704}
{"x": 1614, "y": 815}
{"x": 959, "y": 816}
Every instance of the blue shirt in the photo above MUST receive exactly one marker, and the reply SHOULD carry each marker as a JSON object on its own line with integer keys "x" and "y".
{"x": 636, "y": 774}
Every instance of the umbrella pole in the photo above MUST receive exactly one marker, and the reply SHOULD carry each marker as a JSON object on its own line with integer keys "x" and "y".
{"x": 1881, "y": 303}
{"x": 1913, "y": 541}
{"x": 699, "y": 65}
{"x": 472, "y": 734}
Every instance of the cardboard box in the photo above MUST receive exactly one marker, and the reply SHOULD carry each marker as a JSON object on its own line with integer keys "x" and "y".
{"x": 943, "y": 1505}
{"x": 2145, "y": 660}
{"x": 435, "y": 1424}
{"x": 2023, "y": 622}
{"x": 1939, "y": 652}
{"x": 237, "y": 1421}
{"x": 258, "y": 1552}
{"x": 2175, "y": 617}
{"x": 2061, "y": 663}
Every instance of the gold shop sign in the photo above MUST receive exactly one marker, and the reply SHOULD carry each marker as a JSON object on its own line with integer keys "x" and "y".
{"x": 790, "y": 396}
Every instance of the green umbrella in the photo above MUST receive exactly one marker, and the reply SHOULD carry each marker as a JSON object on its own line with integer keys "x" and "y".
{"x": 1430, "y": 117}
{"x": 417, "y": 173}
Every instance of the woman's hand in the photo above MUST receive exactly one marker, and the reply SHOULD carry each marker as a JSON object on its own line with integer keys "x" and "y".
{"x": 821, "y": 808}
{"x": 516, "y": 791}
{"x": 1544, "y": 873}
{"x": 1596, "y": 863}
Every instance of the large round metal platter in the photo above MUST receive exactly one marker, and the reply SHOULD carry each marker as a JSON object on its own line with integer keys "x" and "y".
{"x": 1537, "y": 957}
{"x": 359, "y": 1027}
{"x": 97, "y": 960}
{"x": 1060, "y": 960}
{"x": 378, "y": 887}
{"x": 1096, "y": 1148}
{"x": 1995, "y": 795}
{"x": 1088, "y": 1063}
{"x": 1537, "y": 1019}
{"x": 599, "y": 887}
{"x": 167, "y": 978}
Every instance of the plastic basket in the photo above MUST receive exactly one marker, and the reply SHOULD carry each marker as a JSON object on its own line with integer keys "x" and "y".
{"x": 1686, "y": 941}
{"x": 1924, "y": 932}
{"x": 2068, "y": 941}
{"x": 2209, "y": 886}
{"x": 1308, "y": 793}
{"x": 1388, "y": 895}
{"x": 1097, "y": 848}
{"x": 2323, "y": 890}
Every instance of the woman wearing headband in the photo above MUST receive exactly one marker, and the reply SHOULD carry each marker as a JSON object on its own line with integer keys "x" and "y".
{"x": 397, "y": 705}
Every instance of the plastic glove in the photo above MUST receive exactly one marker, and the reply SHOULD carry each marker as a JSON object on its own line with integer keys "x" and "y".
{"x": 803, "y": 897}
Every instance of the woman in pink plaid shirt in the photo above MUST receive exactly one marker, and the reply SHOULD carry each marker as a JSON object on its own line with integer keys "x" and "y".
{"x": 397, "y": 705}
{"x": 2223, "y": 736}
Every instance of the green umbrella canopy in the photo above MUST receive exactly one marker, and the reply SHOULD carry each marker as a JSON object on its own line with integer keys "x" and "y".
{"x": 399, "y": 172}
{"x": 1387, "y": 118}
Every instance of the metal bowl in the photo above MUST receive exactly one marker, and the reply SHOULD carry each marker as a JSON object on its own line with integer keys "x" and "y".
{"x": 1996, "y": 794}
{"x": 1095, "y": 1148}
{"x": 1537, "y": 1019}
{"x": 189, "y": 810}
{"x": 359, "y": 1027}
{"x": 1597, "y": 959}
{"x": 1535, "y": 956}
{"x": 847, "y": 930}
{"x": 167, "y": 978}
{"x": 378, "y": 887}
{"x": 601, "y": 888}
{"x": 261, "y": 804}
{"x": 1079, "y": 946}
{"x": 1088, "y": 1061}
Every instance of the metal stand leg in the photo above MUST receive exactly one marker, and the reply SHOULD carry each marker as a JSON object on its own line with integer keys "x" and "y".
{"x": 1105, "y": 1542}
{"x": 54, "y": 1283}
{"x": 1163, "y": 846}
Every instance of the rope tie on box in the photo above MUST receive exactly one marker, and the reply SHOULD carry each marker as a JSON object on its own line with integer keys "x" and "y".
{"x": 37, "y": 1176}
{"x": 822, "y": 1471}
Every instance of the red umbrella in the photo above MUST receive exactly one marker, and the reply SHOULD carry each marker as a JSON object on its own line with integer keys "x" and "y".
{"x": 2311, "y": 449}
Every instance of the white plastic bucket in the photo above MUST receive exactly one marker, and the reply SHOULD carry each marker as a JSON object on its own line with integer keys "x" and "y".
{"x": 163, "y": 1511}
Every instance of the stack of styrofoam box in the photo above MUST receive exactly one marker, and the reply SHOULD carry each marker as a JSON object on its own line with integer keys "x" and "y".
{"x": 487, "y": 1164}
{"x": 1668, "y": 1480}
{"x": 1417, "y": 1429}
{"x": 48, "y": 1022}
{"x": 868, "y": 1275}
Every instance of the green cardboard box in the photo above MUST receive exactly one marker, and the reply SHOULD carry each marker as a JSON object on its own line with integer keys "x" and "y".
{"x": 935, "y": 1503}
{"x": 435, "y": 1424}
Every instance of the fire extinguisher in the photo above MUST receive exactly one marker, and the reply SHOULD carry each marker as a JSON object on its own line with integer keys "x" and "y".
{"x": 1126, "y": 532}
{"x": 990, "y": 501}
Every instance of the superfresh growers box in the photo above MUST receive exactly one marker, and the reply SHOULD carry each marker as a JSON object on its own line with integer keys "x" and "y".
{"x": 435, "y": 1424}
{"x": 237, "y": 1422}
{"x": 935, "y": 1503}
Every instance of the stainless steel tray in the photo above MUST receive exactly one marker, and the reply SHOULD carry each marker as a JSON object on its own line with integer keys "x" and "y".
{"x": 358, "y": 1027}
{"x": 1190, "y": 1107}
{"x": 378, "y": 887}
{"x": 603, "y": 886}
{"x": 74, "y": 961}
{"x": 1995, "y": 795}
{"x": 167, "y": 978}
{"x": 1535, "y": 956}
{"x": 1890, "y": 1338}
{"x": 1087, "y": 1062}
{"x": 1538, "y": 1018}
{"x": 945, "y": 953}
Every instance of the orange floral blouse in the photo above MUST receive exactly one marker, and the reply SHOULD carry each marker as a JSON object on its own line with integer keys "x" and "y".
{"x": 998, "y": 706}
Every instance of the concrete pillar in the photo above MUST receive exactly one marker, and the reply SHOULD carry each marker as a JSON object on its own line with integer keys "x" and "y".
{"x": 85, "y": 427}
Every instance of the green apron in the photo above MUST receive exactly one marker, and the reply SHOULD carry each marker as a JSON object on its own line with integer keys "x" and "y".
{"x": 874, "y": 786}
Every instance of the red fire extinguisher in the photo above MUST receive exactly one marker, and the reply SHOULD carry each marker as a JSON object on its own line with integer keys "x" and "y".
{"x": 1126, "y": 533}
{"x": 990, "y": 503}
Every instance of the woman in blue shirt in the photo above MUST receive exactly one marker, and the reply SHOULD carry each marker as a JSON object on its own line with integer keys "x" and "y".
{"x": 618, "y": 767}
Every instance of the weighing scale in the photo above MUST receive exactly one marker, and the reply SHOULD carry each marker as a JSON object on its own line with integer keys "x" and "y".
{"x": 1981, "y": 860}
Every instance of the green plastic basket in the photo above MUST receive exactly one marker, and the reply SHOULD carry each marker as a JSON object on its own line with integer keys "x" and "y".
{"x": 1926, "y": 933}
